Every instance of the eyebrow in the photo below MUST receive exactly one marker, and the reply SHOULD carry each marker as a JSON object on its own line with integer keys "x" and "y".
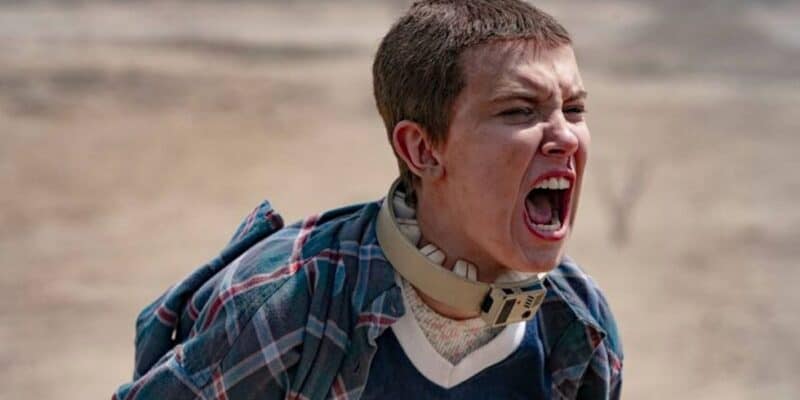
{"x": 504, "y": 95}
{"x": 525, "y": 88}
{"x": 533, "y": 95}
{"x": 579, "y": 95}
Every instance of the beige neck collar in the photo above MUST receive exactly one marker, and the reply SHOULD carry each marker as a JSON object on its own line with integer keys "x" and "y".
{"x": 498, "y": 303}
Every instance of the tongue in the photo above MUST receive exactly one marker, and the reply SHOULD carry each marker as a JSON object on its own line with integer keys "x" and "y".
{"x": 539, "y": 210}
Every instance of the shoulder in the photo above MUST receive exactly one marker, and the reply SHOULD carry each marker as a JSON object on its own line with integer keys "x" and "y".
{"x": 299, "y": 254}
{"x": 274, "y": 290}
{"x": 580, "y": 320}
{"x": 286, "y": 279}
{"x": 331, "y": 257}
{"x": 581, "y": 334}
{"x": 585, "y": 298}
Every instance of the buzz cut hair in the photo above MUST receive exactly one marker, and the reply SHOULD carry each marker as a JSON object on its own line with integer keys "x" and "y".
{"x": 418, "y": 73}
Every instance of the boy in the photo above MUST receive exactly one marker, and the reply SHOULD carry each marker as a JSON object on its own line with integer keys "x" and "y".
{"x": 455, "y": 285}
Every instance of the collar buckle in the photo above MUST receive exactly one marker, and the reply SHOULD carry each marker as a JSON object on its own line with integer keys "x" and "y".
{"x": 507, "y": 305}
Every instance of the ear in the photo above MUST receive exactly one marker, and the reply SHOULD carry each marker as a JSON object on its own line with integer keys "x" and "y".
{"x": 412, "y": 144}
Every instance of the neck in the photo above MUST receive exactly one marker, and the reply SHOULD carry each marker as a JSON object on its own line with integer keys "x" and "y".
{"x": 443, "y": 230}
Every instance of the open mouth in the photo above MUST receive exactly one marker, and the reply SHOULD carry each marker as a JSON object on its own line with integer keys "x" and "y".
{"x": 547, "y": 207}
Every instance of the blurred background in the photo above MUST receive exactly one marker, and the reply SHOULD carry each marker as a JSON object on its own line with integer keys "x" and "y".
{"x": 134, "y": 135}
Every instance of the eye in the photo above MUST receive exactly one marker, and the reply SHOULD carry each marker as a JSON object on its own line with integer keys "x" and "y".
{"x": 517, "y": 115}
{"x": 577, "y": 109}
{"x": 575, "y": 112}
{"x": 523, "y": 111}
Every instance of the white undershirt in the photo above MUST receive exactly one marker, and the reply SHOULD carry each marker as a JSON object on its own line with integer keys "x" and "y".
{"x": 475, "y": 351}
{"x": 444, "y": 350}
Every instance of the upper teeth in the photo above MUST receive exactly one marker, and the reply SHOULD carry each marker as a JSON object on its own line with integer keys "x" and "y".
{"x": 553, "y": 183}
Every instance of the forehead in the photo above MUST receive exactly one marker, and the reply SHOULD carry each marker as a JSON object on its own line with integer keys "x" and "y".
{"x": 521, "y": 65}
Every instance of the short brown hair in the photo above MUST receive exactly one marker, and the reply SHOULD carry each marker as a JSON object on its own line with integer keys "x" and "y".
{"x": 417, "y": 73}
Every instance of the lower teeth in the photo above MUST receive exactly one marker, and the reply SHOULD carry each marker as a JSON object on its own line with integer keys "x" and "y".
{"x": 554, "y": 225}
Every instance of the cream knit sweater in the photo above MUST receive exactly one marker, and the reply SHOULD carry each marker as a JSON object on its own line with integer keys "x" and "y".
{"x": 452, "y": 339}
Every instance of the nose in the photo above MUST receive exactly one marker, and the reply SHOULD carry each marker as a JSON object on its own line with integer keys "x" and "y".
{"x": 558, "y": 140}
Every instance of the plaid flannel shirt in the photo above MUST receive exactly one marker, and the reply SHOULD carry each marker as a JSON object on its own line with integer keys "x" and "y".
{"x": 294, "y": 312}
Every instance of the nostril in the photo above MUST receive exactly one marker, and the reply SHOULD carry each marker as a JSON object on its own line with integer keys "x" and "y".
{"x": 553, "y": 149}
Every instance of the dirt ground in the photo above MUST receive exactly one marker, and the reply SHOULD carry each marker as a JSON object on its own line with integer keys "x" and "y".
{"x": 135, "y": 135}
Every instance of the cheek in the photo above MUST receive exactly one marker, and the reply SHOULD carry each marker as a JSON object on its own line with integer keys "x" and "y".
{"x": 518, "y": 152}
{"x": 584, "y": 140}
{"x": 484, "y": 179}
{"x": 478, "y": 159}
{"x": 488, "y": 167}
{"x": 508, "y": 162}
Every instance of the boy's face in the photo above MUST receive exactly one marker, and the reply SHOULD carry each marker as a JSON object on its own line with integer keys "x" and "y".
{"x": 515, "y": 154}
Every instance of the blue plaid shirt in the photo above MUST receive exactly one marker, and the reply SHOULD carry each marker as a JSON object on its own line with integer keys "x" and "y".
{"x": 294, "y": 312}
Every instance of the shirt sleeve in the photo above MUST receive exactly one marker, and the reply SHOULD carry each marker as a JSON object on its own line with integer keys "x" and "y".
{"x": 603, "y": 377}
{"x": 245, "y": 344}
{"x": 166, "y": 380}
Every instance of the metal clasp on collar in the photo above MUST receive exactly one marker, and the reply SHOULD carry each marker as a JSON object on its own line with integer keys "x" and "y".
{"x": 507, "y": 305}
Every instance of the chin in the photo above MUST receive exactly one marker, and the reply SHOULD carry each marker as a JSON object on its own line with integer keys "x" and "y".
{"x": 544, "y": 265}
{"x": 541, "y": 258}
{"x": 536, "y": 254}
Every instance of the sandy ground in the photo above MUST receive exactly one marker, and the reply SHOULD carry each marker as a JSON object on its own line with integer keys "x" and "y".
{"x": 134, "y": 136}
